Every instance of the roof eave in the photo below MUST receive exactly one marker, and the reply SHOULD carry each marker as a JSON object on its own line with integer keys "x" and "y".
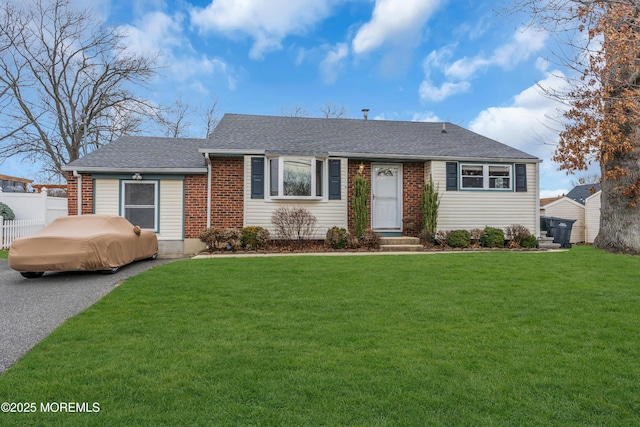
{"x": 426, "y": 158}
{"x": 94, "y": 169}
{"x": 229, "y": 152}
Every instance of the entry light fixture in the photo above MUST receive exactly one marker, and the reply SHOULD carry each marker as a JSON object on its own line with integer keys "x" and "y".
{"x": 137, "y": 176}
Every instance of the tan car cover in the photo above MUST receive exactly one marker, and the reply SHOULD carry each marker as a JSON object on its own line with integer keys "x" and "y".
{"x": 86, "y": 242}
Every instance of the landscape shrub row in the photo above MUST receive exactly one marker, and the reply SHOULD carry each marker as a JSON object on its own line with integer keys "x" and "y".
{"x": 514, "y": 236}
{"x": 292, "y": 227}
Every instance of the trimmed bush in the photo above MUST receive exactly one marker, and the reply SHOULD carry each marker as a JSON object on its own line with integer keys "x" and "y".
{"x": 477, "y": 235}
{"x": 529, "y": 242}
{"x": 360, "y": 202}
{"x": 517, "y": 233}
{"x": 294, "y": 224}
{"x": 459, "y": 239}
{"x": 430, "y": 206}
{"x": 6, "y": 212}
{"x": 370, "y": 240}
{"x": 254, "y": 237}
{"x": 337, "y": 238}
{"x": 218, "y": 238}
{"x": 493, "y": 238}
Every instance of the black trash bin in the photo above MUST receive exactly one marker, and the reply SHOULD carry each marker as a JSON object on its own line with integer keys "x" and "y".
{"x": 561, "y": 229}
{"x": 544, "y": 224}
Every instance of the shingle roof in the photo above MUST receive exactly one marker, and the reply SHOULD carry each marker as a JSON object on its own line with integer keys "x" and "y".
{"x": 140, "y": 153}
{"x": 580, "y": 193}
{"x": 349, "y": 137}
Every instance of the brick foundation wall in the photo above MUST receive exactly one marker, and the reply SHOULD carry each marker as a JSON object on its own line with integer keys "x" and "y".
{"x": 412, "y": 184}
{"x": 72, "y": 194}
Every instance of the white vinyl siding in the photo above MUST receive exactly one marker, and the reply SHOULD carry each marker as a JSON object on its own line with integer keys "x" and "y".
{"x": 171, "y": 208}
{"x": 592, "y": 216}
{"x": 106, "y": 198}
{"x": 464, "y": 210}
{"x": 329, "y": 213}
{"x": 170, "y": 204}
{"x": 568, "y": 209}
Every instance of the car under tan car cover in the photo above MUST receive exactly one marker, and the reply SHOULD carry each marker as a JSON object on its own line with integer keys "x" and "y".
{"x": 82, "y": 243}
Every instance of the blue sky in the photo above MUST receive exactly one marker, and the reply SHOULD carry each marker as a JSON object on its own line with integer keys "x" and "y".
{"x": 427, "y": 60}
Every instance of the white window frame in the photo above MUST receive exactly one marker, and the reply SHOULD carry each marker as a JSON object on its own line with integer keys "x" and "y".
{"x": 486, "y": 177}
{"x": 281, "y": 160}
{"x": 155, "y": 204}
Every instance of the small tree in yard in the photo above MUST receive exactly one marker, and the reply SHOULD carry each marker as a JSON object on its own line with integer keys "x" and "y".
{"x": 294, "y": 224}
{"x": 360, "y": 202}
{"x": 430, "y": 206}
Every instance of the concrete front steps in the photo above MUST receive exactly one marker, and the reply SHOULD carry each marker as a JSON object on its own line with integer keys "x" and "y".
{"x": 400, "y": 244}
{"x": 545, "y": 242}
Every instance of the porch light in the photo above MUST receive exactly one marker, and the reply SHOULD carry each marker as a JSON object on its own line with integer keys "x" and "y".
{"x": 361, "y": 168}
{"x": 137, "y": 176}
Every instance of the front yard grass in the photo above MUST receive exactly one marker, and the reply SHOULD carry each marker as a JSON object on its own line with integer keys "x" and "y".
{"x": 4, "y": 254}
{"x": 443, "y": 339}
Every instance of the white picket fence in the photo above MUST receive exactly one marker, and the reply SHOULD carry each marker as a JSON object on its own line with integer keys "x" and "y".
{"x": 11, "y": 230}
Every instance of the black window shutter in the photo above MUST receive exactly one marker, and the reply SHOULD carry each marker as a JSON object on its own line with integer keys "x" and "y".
{"x": 521, "y": 177}
{"x": 257, "y": 177}
{"x": 334, "y": 180}
{"x": 452, "y": 176}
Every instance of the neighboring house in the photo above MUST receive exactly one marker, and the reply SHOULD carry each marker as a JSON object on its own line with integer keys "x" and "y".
{"x": 582, "y": 204}
{"x": 12, "y": 184}
{"x": 253, "y": 165}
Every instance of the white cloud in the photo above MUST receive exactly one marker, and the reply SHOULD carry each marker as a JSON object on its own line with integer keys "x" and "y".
{"x": 155, "y": 32}
{"x": 266, "y": 21}
{"x": 429, "y": 92}
{"x": 527, "y": 124}
{"x": 427, "y": 116}
{"x": 332, "y": 62}
{"x": 525, "y": 43}
{"x": 393, "y": 20}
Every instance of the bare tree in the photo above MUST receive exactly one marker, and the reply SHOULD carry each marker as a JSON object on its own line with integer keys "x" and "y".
{"x": 295, "y": 111}
{"x": 600, "y": 42}
{"x": 330, "y": 110}
{"x": 210, "y": 116}
{"x": 65, "y": 83}
{"x": 590, "y": 178}
{"x": 174, "y": 119}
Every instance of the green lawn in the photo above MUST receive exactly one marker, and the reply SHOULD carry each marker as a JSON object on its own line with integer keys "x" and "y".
{"x": 4, "y": 254}
{"x": 499, "y": 338}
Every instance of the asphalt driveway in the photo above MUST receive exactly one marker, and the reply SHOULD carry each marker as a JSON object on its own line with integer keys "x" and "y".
{"x": 30, "y": 309}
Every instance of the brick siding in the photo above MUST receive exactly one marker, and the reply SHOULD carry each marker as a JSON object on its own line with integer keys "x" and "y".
{"x": 412, "y": 184}
{"x": 72, "y": 194}
{"x": 227, "y": 192}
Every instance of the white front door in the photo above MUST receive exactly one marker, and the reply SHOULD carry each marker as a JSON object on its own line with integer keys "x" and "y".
{"x": 386, "y": 210}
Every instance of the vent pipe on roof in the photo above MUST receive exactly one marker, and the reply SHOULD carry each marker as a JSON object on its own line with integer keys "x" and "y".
{"x": 444, "y": 128}
{"x": 365, "y": 112}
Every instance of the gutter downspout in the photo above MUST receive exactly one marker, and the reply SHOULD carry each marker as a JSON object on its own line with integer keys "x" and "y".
{"x": 79, "y": 178}
{"x": 208, "y": 162}
{"x": 538, "y": 231}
